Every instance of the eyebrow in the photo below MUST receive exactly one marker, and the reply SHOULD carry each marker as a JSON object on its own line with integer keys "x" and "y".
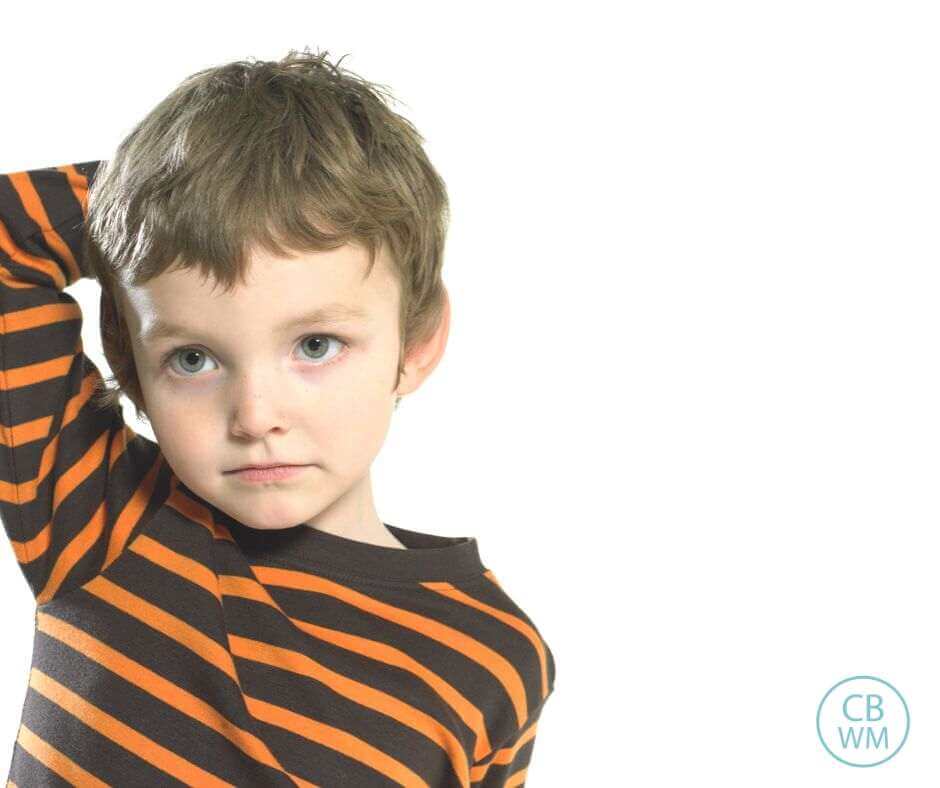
{"x": 327, "y": 314}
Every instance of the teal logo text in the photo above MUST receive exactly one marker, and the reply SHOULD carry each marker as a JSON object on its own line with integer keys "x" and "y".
{"x": 863, "y": 721}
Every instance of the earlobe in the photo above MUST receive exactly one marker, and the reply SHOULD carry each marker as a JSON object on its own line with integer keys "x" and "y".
{"x": 426, "y": 357}
{"x": 422, "y": 360}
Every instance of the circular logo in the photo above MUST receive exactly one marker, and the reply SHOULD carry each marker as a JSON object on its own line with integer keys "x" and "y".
{"x": 863, "y": 721}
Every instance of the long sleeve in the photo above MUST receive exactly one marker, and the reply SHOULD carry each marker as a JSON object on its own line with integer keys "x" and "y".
{"x": 507, "y": 764}
{"x": 75, "y": 481}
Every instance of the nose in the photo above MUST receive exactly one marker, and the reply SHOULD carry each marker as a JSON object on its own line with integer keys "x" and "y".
{"x": 257, "y": 405}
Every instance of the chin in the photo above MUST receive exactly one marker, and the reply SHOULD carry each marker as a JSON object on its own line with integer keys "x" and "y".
{"x": 272, "y": 516}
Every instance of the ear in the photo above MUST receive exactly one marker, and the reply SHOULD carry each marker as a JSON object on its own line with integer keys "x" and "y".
{"x": 421, "y": 361}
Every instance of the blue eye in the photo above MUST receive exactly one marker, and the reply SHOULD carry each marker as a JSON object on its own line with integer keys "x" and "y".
{"x": 324, "y": 343}
{"x": 193, "y": 354}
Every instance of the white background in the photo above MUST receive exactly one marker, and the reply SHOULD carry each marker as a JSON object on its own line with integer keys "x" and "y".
{"x": 689, "y": 404}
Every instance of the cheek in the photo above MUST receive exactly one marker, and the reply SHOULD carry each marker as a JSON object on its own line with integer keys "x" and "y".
{"x": 182, "y": 432}
{"x": 352, "y": 427}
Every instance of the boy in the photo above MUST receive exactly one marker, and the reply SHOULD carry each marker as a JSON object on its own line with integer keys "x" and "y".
{"x": 203, "y": 625}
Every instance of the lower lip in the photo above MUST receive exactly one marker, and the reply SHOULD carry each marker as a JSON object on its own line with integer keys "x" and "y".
{"x": 269, "y": 474}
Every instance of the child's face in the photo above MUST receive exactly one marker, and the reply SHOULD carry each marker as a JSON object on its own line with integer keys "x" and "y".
{"x": 238, "y": 389}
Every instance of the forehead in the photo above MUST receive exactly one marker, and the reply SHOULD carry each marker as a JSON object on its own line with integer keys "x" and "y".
{"x": 275, "y": 288}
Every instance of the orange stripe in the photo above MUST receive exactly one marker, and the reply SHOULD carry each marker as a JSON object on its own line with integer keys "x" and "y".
{"x": 72, "y": 553}
{"x": 183, "y": 566}
{"x": 25, "y": 491}
{"x": 136, "y": 506}
{"x": 36, "y": 210}
{"x": 40, "y": 372}
{"x": 356, "y": 691}
{"x": 65, "y": 484}
{"x": 453, "y": 638}
{"x": 44, "y": 265}
{"x": 26, "y": 319}
{"x": 249, "y": 588}
{"x": 30, "y": 549}
{"x": 190, "y": 637}
{"x": 78, "y": 183}
{"x": 198, "y": 513}
{"x": 299, "y": 663}
{"x": 165, "y": 623}
{"x": 382, "y": 652}
{"x": 33, "y": 205}
{"x": 55, "y": 760}
{"x": 517, "y": 778}
{"x": 40, "y": 316}
{"x": 504, "y": 756}
{"x": 160, "y": 688}
{"x": 26, "y": 431}
{"x": 335, "y": 739}
{"x": 76, "y": 549}
{"x": 449, "y": 590}
{"x": 125, "y": 736}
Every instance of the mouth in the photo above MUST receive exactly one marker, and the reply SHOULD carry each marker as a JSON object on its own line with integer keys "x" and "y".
{"x": 259, "y": 467}
{"x": 268, "y": 465}
{"x": 267, "y": 473}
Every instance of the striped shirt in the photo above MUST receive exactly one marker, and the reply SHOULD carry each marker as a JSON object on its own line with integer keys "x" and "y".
{"x": 174, "y": 645}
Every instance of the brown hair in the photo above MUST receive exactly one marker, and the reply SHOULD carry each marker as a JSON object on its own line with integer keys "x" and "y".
{"x": 290, "y": 156}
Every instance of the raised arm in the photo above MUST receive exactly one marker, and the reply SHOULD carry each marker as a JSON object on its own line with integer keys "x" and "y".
{"x": 75, "y": 481}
